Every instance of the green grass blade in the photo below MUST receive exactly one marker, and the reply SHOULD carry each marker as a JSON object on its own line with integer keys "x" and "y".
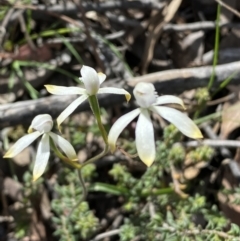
{"x": 117, "y": 53}
{"x": 32, "y": 92}
{"x": 108, "y": 188}
{"x": 51, "y": 32}
{"x": 225, "y": 82}
{"x": 11, "y": 80}
{"x": 72, "y": 49}
{"x": 206, "y": 118}
{"x": 216, "y": 48}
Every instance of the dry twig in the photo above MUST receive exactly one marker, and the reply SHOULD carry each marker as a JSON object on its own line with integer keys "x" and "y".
{"x": 234, "y": 11}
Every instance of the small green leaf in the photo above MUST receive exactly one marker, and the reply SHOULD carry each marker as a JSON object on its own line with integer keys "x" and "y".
{"x": 108, "y": 188}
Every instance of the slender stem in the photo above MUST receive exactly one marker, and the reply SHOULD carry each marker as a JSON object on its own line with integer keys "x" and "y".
{"x": 82, "y": 183}
{"x": 93, "y": 101}
{"x": 84, "y": 190}
{"x": 84, "y": 193}
{"x": 191, "y": 232}
{"x": 79, "y": 169}
{"x": 206, "y": 118}
{"x": 95, "y": 158}
{"x": 80, "y": 166}
{"x": 199, "y": 110}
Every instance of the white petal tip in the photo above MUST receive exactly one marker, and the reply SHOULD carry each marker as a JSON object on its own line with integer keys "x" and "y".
{"x": 8, "y": 155}
{"x": 60, "y": 129}
{"x": 101, "y": 74}
{"x": 35, "y": 178}
{"x": 101, "y": 77}
{"x": 51, "y": 88}
{"x": 30, "y": 130}
{"x": 59, "y": 126}
{"x": 148, "y": 162}
{"x": 197, "y": 135}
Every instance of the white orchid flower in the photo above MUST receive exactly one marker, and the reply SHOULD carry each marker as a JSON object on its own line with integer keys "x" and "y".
{"x": 148, "y": 100}
{"x": 92, "y": 81}
{"x": 41, "y": 125}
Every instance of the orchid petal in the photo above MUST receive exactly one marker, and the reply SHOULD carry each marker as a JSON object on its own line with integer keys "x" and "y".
{"x": 43, "y": 153}
{"x": 101, "y": 77}
{"x": 69, "y": 110}
{"x": 118, "y": 127}
{"x": 180, "y": 120}
{"x": 112, "y": 90}
{"x": 145, "y": 141}
{"x": 169, "y": 99}
{"x": 90, "y": 80}
{"x": 61, "y": 90}
{"x": 21, "y": 144}
{"x": 41, "y": 123}
{"x": 65, "y": 146}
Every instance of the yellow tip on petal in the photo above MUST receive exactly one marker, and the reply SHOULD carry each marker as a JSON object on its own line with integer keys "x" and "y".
{"x": 59, "y": 127}
{"x": 30, "y": 130}
{"x": 148, "y": 162}
{"x": 197, "y": 134}
{"x": 49, "y": 88}
{"x": 128, "y": 97}
{"x": 35, "y": 178}
{"x": 101, "y": 74}
{"x": 7, "y": 155}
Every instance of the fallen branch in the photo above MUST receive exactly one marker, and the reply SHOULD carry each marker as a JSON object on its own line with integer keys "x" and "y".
{"x": 234, "y": 11}
{"x": 71, "y": 9}
{"x": 178, "y": 80}
{"x": 214, "y": 143}
{"x": 206, "y": 25}
{"x": 166, "y": 82}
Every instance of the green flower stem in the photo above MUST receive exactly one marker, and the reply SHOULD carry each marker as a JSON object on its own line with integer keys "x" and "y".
{"x": 74, "y": 164}
{"x": 80, "y": 166}
{"x": 79, "y": 169}
{"x": 95, "y": 158}
{"x": 84, "y": 194}
{"x": 93, "y": 101}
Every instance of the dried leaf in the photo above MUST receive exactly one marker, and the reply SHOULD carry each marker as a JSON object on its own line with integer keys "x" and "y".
{"x": 230, "y": 119}
{"x": 40, "y": 54}
{"x": 192, "y": 171}
{"x": 230, "y": 210}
